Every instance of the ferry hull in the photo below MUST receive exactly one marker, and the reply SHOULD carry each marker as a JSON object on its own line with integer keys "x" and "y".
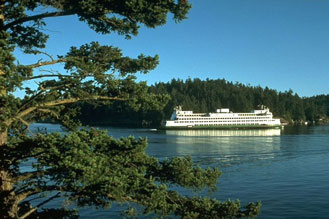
{"x": 221, "y": 127}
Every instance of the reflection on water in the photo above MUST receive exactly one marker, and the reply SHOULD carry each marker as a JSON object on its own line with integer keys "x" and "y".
{"x": 223, "y": 147}
{"x": 227, "y": 149}
{"x": 238, "y": 132}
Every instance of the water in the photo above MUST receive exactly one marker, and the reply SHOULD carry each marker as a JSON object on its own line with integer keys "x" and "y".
{"x": 287, "y": 170}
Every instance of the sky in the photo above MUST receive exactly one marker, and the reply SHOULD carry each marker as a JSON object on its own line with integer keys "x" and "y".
{"x": 281, "y": 44}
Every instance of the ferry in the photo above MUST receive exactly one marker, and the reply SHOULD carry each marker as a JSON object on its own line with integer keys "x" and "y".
{"x": 221, "y": 119}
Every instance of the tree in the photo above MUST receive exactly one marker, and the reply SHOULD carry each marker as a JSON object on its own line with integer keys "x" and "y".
{"x": 87, "y": 167}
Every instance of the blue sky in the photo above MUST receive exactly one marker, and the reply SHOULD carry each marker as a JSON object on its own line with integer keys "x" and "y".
{"x": 282, "y": 44}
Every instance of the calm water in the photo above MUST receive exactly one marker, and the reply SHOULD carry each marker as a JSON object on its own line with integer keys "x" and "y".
{"x": 287, "y": 170}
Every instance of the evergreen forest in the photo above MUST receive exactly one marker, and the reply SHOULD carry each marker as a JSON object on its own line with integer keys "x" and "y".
{"x": 207, "y": 96}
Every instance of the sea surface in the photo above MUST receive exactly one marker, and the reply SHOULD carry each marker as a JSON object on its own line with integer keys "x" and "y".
{"x": 287, "y": 170}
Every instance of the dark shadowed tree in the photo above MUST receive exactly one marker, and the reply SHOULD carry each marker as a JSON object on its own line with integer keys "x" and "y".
{"x": 87, "y": 167}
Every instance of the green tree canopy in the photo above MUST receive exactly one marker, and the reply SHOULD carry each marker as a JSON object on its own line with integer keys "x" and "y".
{"x": 87, "y": 167}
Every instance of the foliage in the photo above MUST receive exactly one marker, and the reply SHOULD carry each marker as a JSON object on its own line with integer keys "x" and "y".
{"x": 90, "y": 167}
{"x": 207, "y": 96}
{"x": 87, "y": 167}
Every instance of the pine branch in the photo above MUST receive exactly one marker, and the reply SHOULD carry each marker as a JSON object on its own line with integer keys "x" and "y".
{"x": 35, "y": 51}
{"x": 27, "y": 175}
{"x": 23, "y": 195}
{"x": 52, "y": 112}
{"x": 29, "y": 110}
{"x": 39, "y": 64}
{"x": 27, "y": 125}
{"x": 31, "y": 99}
{"x": 37, "y": 17}
{"x": 48, "y": 76}
{"x": 27, "y": 191}
{"x": 39, "y": 205}
{"x": 54, "y": 87}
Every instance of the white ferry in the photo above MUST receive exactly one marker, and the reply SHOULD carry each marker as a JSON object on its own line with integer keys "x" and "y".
{"x": 221, "y": 119}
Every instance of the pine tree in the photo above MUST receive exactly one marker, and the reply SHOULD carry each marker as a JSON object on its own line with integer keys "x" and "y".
{"x": 87, "y": 167}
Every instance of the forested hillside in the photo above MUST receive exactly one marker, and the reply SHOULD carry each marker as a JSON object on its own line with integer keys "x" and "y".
{"x": 206, "y": 96}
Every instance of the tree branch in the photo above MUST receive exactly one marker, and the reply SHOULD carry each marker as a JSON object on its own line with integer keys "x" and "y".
{"x": 27, "y": 125}
{"x": 31, "y": 99}
{"x": 55, "y": 87}
{"x": 27, "y": 175}
{"x": 27, "y": 111}
{"x": 35, "y": 51}
{"x": 39, "y": 205}
{"x": 48, "y": 76}
{"x": 36, "y": 17}
{"x": 24, "y": 193}
{"x": 20, "y": 197}
{"x": 50, "y": 112}
{"x": 39, "y": 64}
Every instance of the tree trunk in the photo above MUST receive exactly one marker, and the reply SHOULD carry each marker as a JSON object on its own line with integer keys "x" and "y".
{"x": 3, "y": 137}
{"x": 9, "y": 205}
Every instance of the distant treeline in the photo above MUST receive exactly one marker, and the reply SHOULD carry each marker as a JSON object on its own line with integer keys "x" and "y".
{"x": 207, "y": 96}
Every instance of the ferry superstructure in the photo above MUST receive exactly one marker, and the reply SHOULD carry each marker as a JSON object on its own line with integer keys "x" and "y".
{"x": 221, "y": 119}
